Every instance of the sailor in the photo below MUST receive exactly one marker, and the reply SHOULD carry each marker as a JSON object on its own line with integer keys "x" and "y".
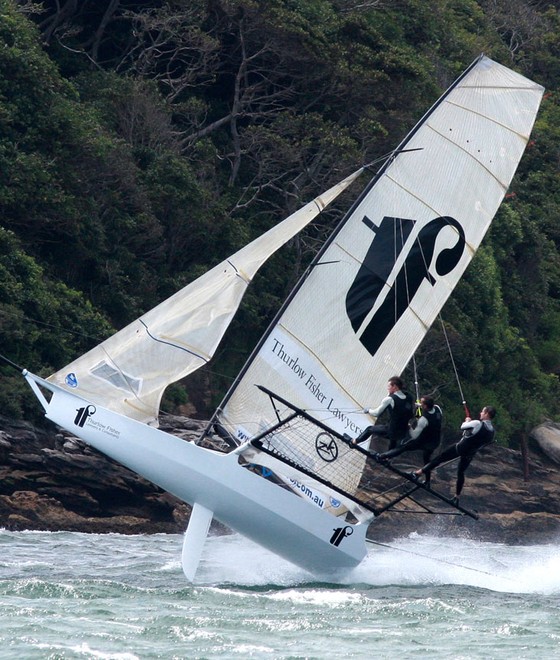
{"x": 425, "y": 435}
{"x": 399, "y": 405}
{"x": 476, "y": 434}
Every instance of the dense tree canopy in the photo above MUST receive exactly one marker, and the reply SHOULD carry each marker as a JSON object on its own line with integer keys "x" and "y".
{"x": 141, "y": 142}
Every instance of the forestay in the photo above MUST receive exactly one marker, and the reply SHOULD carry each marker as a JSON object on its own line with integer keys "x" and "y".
{"x": 369, "y": 298}
{"x": 128, "y": 372}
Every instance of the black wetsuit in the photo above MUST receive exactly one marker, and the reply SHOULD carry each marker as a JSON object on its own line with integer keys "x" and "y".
{"x": 400, "y": 413}
{"x": 428, "y": 438}
{"x": 476, "y": 435}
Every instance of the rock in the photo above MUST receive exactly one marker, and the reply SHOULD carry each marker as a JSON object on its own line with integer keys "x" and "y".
{"x": 175, "y": 423}
{"x": 71, "y": 446}
{"x": 5, "y": 447}
{"x": 53, "y": 481}
{"x": 547, "y": 436}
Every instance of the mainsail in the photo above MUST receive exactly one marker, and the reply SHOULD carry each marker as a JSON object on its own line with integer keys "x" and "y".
{"x": 369, "y": 298}
{"x": 129, "y": 371}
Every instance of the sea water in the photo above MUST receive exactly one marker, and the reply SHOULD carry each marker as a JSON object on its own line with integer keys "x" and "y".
{"x": 70, "y": 595}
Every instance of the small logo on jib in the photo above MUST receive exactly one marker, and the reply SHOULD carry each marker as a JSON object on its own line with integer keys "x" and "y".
{"x": 83, "y": 414}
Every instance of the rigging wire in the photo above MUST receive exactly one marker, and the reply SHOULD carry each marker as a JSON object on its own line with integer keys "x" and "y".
{"x": 463, "y": 400}
{"x": 448, "y": 344}
{"x": 441, "y": 561}
{"x": 59, "y": 329}
{"x": 418, "y": 411}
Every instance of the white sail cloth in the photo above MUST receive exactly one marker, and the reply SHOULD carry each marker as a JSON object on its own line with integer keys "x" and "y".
{"x": 364, "y": 308}
{"x": 129, "y": 371}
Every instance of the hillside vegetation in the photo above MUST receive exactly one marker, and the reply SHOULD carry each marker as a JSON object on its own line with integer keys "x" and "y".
{"x": 142, "y": 142}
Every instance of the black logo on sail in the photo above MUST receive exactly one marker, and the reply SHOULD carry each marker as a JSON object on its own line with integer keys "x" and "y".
{"x": 339, "y": 534}
{"x": 326, "y": 447}
{"x": 83, "y": 414}
{"x": 371, "y": 279}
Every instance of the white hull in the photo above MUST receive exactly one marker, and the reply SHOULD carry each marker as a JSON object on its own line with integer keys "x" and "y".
{"x": 273, "y": 517}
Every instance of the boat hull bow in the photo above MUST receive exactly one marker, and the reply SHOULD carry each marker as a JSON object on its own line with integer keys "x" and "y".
{"x": 275, "y": 518}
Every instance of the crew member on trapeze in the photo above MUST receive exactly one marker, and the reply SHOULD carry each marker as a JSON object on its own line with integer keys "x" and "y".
{"x": 399, "y": 405}
{"x": 476, "y": 434}
{"x": 425, "y": 436}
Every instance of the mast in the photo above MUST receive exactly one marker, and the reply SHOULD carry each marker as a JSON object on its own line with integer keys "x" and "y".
{"x": 337, "y": 339}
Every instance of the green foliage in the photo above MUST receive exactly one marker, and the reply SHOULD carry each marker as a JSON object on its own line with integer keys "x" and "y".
{"x": 126, "y": 170}
{"x": 495, "y": 364}
{"x": 175, "y": 398}
{"x": 43, "y": 323}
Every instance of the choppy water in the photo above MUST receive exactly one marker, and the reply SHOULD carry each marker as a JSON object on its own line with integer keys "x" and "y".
{"x": 69, "y": 595}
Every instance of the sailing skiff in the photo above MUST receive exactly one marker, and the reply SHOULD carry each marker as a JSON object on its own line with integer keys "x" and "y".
{"x": 289, "y": 479}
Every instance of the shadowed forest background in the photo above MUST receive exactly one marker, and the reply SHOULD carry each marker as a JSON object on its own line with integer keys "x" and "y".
{"x": 143, "y": 142}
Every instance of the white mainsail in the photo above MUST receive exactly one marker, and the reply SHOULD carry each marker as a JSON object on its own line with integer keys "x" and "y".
{"x": 129, "y": 371}
{"x": 371, "y": 295}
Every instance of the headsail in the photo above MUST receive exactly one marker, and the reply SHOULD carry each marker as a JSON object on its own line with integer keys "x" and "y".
{"x": 371, "y": 295}
{"x": 128, "y": 372}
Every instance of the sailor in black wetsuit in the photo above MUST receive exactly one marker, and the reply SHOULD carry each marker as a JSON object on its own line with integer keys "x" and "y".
{"x": 399, "y": 405}
{"x": 476, "y": 434}
{"x": 424, "y": 436}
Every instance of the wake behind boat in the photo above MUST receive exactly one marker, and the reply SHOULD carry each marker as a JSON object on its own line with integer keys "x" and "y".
{"x": 290, "y": 479}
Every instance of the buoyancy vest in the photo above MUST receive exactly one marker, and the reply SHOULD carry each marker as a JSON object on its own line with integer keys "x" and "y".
{"x": 472, "y": 442}
{"x": 431, "y": 434}
{"x": 401, "y": 414}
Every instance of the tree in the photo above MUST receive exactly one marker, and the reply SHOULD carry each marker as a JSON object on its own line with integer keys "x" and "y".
{"x": 43, "y": 323}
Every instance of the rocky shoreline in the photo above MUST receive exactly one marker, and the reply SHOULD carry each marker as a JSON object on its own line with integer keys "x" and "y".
{"x": 52, "y": 481}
